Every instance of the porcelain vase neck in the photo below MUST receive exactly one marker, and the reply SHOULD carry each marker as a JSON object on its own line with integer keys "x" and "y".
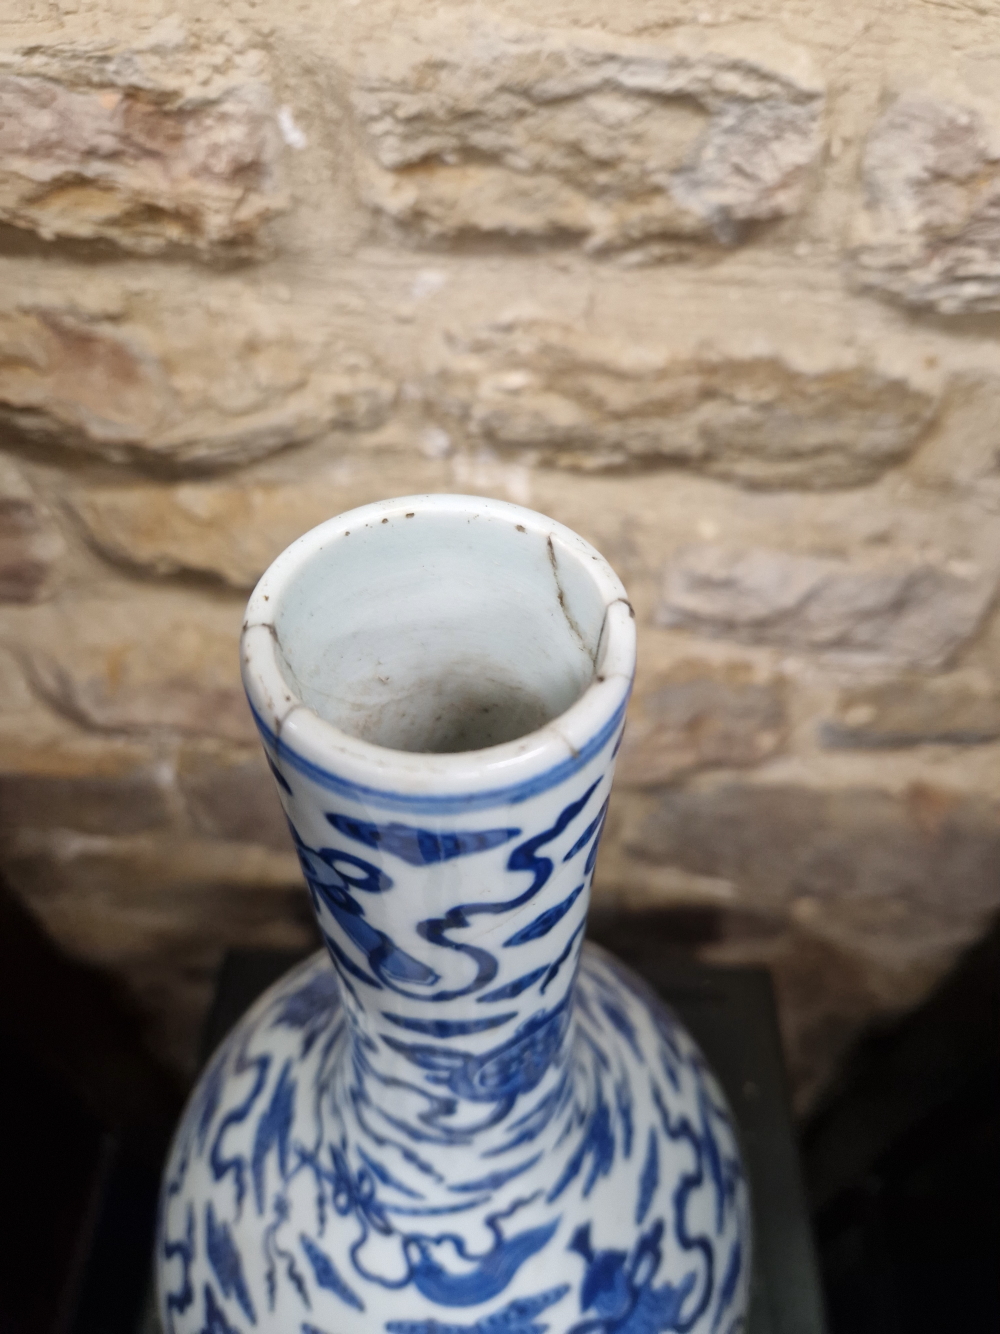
{"x": 451, "y": 888}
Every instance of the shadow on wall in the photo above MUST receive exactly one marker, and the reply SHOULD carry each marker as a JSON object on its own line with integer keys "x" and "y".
{"x": 902, "y": 1164}
{"x": 85, "y": 1119}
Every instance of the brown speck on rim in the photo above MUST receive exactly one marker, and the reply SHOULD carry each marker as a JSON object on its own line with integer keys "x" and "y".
{"x": 385, "y": 520}
{"x": 521, "y": 528}
{"x": 410, "y": 515}
{"x": 267, "y": 597}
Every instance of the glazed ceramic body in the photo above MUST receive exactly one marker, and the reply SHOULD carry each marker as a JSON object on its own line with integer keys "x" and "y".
{"x": 457, "y": 1119}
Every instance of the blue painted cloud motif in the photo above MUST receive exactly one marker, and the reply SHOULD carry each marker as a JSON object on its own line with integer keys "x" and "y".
{"x": 226, "y": 1263}
{"x": 334, "y": 878}
{"x": 420, "y": 847}
{"x": 425, "y": 1138}
{"x": 326, "y": 1275}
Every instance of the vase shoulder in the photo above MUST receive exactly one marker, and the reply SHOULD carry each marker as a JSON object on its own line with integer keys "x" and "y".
{"x": 308, "y": 1191}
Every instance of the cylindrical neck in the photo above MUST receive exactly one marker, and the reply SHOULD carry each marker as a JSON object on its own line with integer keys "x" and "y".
{"x": 440, "y": 683}
{"x": 456, "y": 948}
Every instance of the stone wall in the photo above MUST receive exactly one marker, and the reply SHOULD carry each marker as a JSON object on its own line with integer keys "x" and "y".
{"x": 716, "y": 283}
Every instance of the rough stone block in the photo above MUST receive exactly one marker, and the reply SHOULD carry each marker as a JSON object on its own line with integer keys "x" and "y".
{"x": 903, "y": 615}
{"x": 582, "y": 137}
{"x": 700, "y": 719}
{"x": 914, "y": 711}
{"x": 856, "y": 899}
{"x": 145, "y": 168}
{"x": 895, "y": 868}
{"x": 185, "y": 385}
{"x": 579, "y": 402}
{"x": 158, "y": 911}
{"x": 233, "y": 797}
{"x": 85, "y": 784}
{"x": 30, "y": 542}
{"x": 929, "y": 234}
{"x": 146, "y": 663}
{"x": 232, "y": 529}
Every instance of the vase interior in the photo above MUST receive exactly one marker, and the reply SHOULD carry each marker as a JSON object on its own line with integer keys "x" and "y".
{"x": 439, "y": 632}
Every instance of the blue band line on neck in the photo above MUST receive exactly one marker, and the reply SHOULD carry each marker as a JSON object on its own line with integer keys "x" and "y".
{"x": 444, "y": 803}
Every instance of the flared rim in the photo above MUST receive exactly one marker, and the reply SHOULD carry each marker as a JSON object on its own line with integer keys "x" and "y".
{"x": 296, "y": 736}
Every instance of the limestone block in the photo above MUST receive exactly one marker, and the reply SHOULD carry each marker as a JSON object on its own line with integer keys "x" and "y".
{"x": 856, "y": 899}
{"x": 89, "y": 151}
{"x": 963, "y": 458}
{"x": 141, "y": 662}
{"x": 699, "y": 717}
{"x": 55, "y": 775}
{"x": 913, "y": 614}
{"x": 913, "y": 711}
{"x": 158, "y": 911}
{"x": 582, "y": 137}
{"x": 185, "y": 385}
{"x": 233, "y": 797}
{"x": 929, "y": 234}
{"x": 88, "y": 784}
{"x": 903, "y": 867}
{"x": 582, "y": 402}
{"x": 160, "y": 890}
{"x": 233, "y": 529}
{"x": 30, "y": 542}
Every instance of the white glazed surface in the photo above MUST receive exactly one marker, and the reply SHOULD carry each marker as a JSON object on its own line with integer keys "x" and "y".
{"x": 457, "y": 1121}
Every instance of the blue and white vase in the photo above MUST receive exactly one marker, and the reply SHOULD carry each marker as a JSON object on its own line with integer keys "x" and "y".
{"x": 459, "y": 1118}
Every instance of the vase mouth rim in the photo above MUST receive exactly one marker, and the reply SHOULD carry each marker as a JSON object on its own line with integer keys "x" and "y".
{"x": 296, "y": 735}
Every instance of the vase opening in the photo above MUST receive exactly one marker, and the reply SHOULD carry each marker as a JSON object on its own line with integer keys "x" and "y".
{"x": 439, "y": 631}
